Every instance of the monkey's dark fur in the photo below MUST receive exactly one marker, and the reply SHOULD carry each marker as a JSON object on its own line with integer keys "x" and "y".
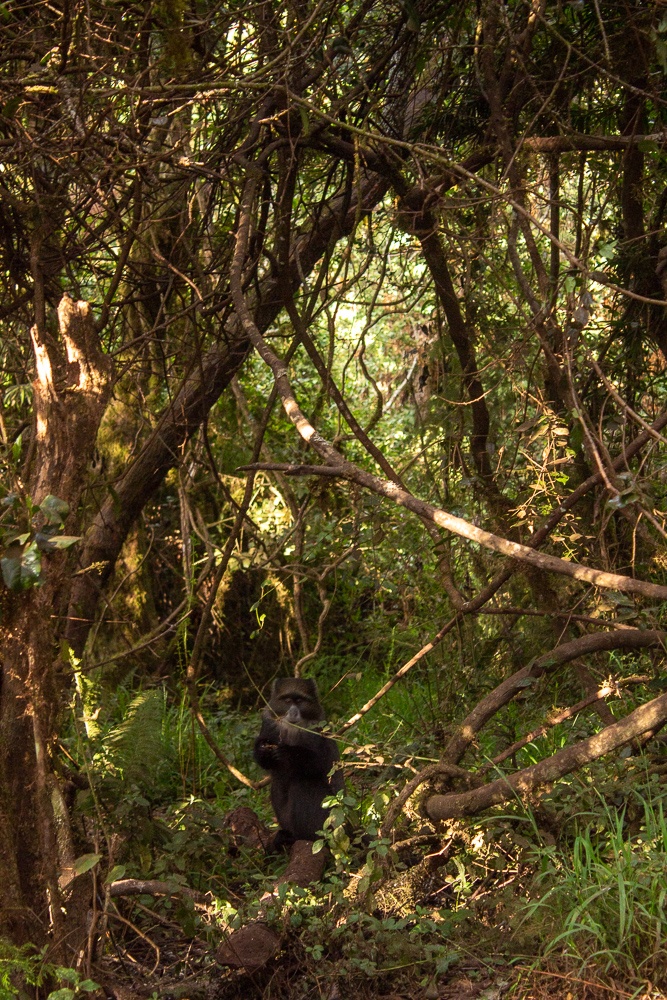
{"x": 297, "y": 758}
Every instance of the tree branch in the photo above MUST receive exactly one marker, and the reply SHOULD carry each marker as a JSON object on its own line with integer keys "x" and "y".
{"x": 199, "y": 391}
{"x": 458, "y": 804}
{"x": 568, "y": 651}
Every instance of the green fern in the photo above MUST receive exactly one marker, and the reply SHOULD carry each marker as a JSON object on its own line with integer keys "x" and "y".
{"x": 18, "y": 966}
{"x": 137, "y": 746}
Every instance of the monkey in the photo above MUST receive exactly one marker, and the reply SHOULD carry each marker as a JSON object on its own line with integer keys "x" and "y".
{"x": 298, "y": 759}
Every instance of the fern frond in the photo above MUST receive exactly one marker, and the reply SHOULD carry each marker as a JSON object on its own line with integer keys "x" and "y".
{"x": 137, "y": 746}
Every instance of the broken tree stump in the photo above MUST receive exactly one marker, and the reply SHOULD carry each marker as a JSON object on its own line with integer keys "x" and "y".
{"x": 246, "y": 829}
{"x": 254, "y": 945}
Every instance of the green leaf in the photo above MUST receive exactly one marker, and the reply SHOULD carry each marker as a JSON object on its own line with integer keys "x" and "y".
{"x": 15, "y": 538}
{"x": 31, "y": 565}
{"x": 64, "y": 994}
{"x": 54, "y": 509}
{"x": 20, "y": 571}
{"x": 11, "y": 572}
{"x": 56, "y": 542}
{"x": 88, "y": 985}
{"x": 136, "y": 745}
{"x": 570, "y": 284}
{"x": 116, "y": 873}
{"x": 305, "y": 120}
{"x": 86, "y": 862}
{"x": 618, "y": 597}
{"x": 67, "y": 974}
{"x": 577, "y": 437}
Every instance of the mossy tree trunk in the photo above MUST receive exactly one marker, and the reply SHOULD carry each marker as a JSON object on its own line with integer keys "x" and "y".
{"x": 71, "y": 390}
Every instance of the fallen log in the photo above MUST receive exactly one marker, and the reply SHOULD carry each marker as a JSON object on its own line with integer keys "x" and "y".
{"x": 152, "y": 887}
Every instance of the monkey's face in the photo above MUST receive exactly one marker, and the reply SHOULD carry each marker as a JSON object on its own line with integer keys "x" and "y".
{"x": 295, "y": 706}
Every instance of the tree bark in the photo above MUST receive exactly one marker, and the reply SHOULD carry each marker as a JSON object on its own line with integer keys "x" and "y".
{"x": 458, "y": 804}
{"x": 71, "y": 390}
{"x": 502, "y": 694}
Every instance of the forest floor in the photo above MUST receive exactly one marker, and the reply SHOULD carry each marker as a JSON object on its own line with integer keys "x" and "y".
{"x": 286, "y": 978}
{"x": 488, "y": 953}
{"x": 559, "y": 897}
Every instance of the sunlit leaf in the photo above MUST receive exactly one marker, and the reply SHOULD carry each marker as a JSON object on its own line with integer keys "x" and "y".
{"x": 84, "y": 863}
{"x": 116, "y": 873}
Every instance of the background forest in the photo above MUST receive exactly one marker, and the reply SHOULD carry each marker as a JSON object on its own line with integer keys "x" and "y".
{"x": 333, "y": 345}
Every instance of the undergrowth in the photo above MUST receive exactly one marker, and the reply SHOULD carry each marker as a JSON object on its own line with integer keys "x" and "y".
{"x": 576, "y": 881}
{"x": 604, "y": 897}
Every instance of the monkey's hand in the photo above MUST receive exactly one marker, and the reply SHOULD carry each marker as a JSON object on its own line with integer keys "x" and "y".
{"x": 289, "y": 734}
{"x": 266, "y": 753}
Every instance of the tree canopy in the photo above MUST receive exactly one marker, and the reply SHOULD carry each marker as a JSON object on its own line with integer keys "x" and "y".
{"x": 334, "y": 343}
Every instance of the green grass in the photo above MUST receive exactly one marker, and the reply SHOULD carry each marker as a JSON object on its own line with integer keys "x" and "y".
{"x": 605, "y": 896}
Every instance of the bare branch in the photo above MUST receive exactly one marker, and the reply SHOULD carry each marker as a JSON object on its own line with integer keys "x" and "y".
{"x": 457, "y": 804}
{"x": 568, "y": 651}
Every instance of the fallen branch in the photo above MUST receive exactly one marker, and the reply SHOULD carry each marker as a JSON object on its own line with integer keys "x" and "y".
{"x": 410, "y": 787}
{"x": 458, "y": 804}
{"x": 568, "y": 651}
{"x": 611, "y": 688}
{"x": 151, "y": 887}
{"x": 475, "y": 778}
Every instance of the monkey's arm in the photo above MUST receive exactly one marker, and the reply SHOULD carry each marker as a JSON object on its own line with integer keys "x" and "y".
{"x": 312, "y": 757}
{"x": 267, "y": 745}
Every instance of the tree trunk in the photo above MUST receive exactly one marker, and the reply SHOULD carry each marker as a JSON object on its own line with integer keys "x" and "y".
{"x": 71, "y": 390}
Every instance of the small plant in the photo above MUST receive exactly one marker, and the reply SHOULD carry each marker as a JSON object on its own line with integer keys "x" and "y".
{"x": 18, "y": 965}
{"x": 27, "y": 531}
{"x": 78, "y": 987}
{"x": 25, "y": 966}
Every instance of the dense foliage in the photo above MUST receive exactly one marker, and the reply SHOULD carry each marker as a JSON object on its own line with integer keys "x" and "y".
{"x": 333, "y": 343}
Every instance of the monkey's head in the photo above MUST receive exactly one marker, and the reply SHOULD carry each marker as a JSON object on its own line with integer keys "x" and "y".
{"x": 294, "y": 705}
